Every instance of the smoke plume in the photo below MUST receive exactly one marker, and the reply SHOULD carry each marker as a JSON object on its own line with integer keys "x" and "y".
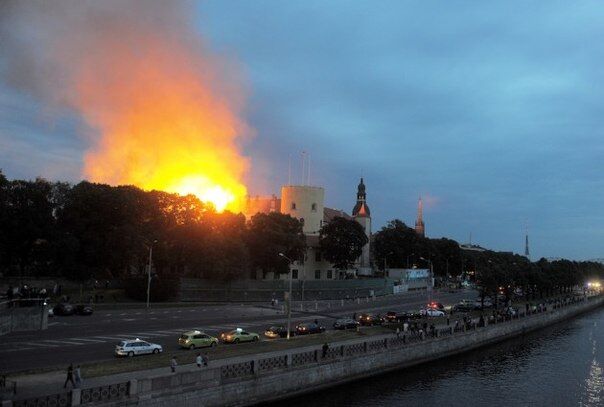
{"x": 163, "y": 111}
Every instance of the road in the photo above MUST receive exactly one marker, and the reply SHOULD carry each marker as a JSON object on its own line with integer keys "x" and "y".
{"x": 85, "y": 339}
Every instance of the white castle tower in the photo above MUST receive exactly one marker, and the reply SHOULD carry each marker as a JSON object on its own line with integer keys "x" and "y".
{"x": 305, "y": 203}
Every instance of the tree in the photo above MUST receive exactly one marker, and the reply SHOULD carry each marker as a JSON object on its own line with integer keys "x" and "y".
{"x": 396, "y": 243}
{"x": 271, "y": 234}
{"x": 447, "y": 257}
{"x": 342, "y": 242}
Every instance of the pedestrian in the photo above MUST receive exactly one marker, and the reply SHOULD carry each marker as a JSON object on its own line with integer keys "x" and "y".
{"x": 78, "y": 377}
{"x": 205, "y": 359}
{"x": 69, "y": 376}
{"x": 421, "y": 334}
{"x": 173, "y": 364}
{"x": 325, "y": 349}
{"x": 199, "y": 360}
{"x": 273, "y": 302}
{"x": 354, "y": 316}
{"x": 398, "y": 332}
{"x": 405, "y": 326}
{"x": 448, "y": 321}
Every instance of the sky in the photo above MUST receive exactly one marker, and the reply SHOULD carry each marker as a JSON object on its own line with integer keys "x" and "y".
{"x": 491, "y": 111}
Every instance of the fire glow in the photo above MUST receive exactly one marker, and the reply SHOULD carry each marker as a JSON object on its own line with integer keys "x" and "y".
{"x": 163, "y": 112}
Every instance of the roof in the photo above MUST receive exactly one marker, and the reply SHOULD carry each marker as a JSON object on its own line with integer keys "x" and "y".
{"x": 361, "y": 210}
{"x": 261, "y": 204}
{"x": 329, "y": 214}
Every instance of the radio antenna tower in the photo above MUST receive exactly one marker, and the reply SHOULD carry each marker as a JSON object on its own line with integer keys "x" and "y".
{"x": 527, "y": 252}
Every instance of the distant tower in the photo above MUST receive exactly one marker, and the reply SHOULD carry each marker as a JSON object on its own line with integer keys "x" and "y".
{"x": 527, "y": 253}
{"x": 420, "y": 228}
{"x": 362, "y": 215}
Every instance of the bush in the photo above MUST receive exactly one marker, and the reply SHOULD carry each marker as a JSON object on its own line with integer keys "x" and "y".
{"x": 161, "y": 289}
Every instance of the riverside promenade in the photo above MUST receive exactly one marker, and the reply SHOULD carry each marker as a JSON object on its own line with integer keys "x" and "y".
{"x": 256, "y": 378}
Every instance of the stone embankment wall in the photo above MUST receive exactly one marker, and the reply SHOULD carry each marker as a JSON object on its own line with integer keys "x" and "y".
{"x": 264, "y": 377}
{"x": 263, "y": 291}
{"x": 23, "y": 319}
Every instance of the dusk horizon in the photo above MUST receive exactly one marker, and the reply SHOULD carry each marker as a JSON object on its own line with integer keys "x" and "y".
{"x": 489, "y": 113}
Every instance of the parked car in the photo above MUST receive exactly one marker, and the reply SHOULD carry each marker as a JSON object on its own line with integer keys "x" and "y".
{"x": 391, "y": 316}
{"x": 436, "y": 305}
{"x": 307, "y": 328}
{"x": 480, "y": 304}
{"x": 133, "y": 347}
{"x": 464, "y": 306}
{"x": 84, "y": 309}
{"x": 277, "y": 331}
{"x": 239, "y": 335}
{"x": 196, "y": 339}
{"x": 431, "y": 312}
{"x": 409, "y": 315}
{"x": 63, "y": 309}
{"x": 345, "y": 323}
{"x": 370, "y": 319}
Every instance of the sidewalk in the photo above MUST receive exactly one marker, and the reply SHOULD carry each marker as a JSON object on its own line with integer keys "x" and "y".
{"x": 33, "y": 385}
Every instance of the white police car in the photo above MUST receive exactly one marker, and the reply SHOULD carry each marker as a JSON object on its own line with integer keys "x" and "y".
{"x": 134, "y": 347}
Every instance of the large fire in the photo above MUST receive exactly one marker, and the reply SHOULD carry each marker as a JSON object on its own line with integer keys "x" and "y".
{"x": 164, "y": 112}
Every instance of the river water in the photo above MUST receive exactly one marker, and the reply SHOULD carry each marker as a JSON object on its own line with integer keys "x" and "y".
{"x": 558, "y": 366}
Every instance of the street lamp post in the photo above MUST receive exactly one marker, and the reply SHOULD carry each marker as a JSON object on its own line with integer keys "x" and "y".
{"x": 149, "y": 271}
{"x": 289, "y": 297}
{"x": 412, "y": 254}
{"x": 429, "y": 288}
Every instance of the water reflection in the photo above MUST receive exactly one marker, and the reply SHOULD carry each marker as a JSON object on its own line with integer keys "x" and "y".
{"x": 557, "y": 366}
{"x": 594, "y": 383}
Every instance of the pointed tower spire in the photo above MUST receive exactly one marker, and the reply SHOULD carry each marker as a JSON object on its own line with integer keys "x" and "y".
{"x": 361, "y": 209}
{"x": 420, "y": 228}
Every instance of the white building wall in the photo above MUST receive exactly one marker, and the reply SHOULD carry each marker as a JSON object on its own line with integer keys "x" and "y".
{"x": 304, "y": 202}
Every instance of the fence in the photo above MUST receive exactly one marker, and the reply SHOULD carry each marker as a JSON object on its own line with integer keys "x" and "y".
{"x": 264, "y": 291}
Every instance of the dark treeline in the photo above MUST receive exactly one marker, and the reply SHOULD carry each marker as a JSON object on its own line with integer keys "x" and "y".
{"x": 398, "y": 246}
{"x": 95, "y": 231}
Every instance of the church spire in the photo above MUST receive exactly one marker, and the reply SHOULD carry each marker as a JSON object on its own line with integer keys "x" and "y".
{"x": 361, "y": 209}
{"x": 420, "y": 228}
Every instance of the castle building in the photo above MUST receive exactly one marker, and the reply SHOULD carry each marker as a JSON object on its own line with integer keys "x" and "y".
{"x": 420, "y": 228}
{"x": 307, "y": 204}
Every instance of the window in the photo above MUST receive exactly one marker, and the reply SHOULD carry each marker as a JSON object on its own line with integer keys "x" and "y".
{"x": 294, "y": 274}
{"x": 313, "y": 207}
{"x": 317, "y": 255}
{"x": 330, "y": 274}
{"x": 293, "y": 206}
{"x": 317, "y": 274}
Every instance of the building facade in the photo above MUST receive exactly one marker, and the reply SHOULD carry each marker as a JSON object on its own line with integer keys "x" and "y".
{"x": 307, "y": 204}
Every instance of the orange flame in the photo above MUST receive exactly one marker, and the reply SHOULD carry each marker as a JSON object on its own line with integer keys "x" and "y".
{"x": 166, "y": 109}
{"x": 163, "y": 126}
